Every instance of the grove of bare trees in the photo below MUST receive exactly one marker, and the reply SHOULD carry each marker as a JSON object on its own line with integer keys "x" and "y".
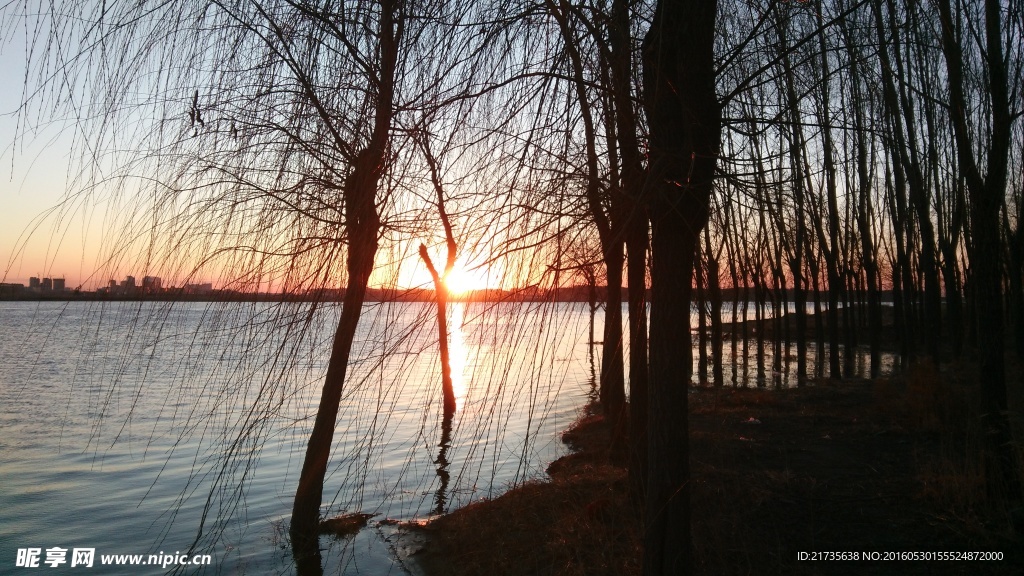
{"x": 843, "y": 174}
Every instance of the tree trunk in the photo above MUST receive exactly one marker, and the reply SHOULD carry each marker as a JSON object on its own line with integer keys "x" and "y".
{"x": 441, "y": 300}
{"x": 636, "y": 231}
{"x": 714, "y": 293}
{"x": 700, "y": 277}
{"x": 865, "y": 212}
{"x": 636, "y": 269}
{"x": 685, "y": 130}
{"x": 362, "y": 224}
{"x": 441, "y": 280}
{"x": 309, "y": 494}
{"x": 613, "y": 385}
{"x": 1001, "y": 475}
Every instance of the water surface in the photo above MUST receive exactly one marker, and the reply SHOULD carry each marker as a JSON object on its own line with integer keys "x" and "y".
{"x": 134, "y": 427}
{"x": 154, "y": 427}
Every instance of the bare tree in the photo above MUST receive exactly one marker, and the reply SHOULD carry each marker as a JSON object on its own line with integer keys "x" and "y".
{"x": 987, "y": 195}
{"x": 684, "y": 120}
{"x": 441, "y": 293}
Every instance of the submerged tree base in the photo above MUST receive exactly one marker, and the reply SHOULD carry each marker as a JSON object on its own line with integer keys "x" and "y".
{"x": 345, "y": 525}
{"x": 840, "y": 467}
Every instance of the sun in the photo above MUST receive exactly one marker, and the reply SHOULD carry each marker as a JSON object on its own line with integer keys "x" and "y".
{"x": 462, "y": 280}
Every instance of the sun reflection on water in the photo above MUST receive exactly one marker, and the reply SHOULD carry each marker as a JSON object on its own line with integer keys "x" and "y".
{"x": 458, "y": 352}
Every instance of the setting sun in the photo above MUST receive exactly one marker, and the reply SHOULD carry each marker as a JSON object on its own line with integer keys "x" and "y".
{"x": 462, "y": 279}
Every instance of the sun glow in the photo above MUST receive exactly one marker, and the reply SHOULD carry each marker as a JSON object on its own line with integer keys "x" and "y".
{"x": 458, "y": 353}
{"x": 462, "y": 280}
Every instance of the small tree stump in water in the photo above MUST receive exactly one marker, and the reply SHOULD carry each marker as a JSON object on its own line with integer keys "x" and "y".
{"x": 345, "y": 525}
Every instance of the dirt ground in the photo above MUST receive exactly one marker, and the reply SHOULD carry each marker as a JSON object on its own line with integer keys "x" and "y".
{"x": 854, "y": 466}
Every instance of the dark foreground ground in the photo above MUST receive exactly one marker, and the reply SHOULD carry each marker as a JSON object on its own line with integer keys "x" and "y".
{"x": 857, "y": 467}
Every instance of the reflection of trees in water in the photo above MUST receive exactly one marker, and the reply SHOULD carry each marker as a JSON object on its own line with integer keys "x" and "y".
{"x": 441, "y": 496}
{"x": 593, "y": 395}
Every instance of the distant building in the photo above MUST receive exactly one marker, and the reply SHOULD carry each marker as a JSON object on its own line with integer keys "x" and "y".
{"x": 199, "y": 288}
{"x": 8, "y": 289}
{"x": 58, "y": 284}
{"x": 47, "y": 285}
{"x": 126, "y": 287}
{"x": 33, "y": 283}
{"x": 151, "y": 284}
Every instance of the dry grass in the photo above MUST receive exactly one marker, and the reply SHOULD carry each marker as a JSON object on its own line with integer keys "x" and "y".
{"x": 844, "y": 466}
{"x": 941, "y": 409}
{"x": 579, "y": 522}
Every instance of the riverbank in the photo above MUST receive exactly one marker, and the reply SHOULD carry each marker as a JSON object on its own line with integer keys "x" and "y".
{"x": 855, "y": 466}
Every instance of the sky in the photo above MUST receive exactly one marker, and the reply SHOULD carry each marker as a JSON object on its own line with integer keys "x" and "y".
{"x": 43, "y": 234}
{"x": 47, "y": 231}
{"x": 34, "y": 176}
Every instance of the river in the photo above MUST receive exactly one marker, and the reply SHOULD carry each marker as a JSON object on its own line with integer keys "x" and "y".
{"x": 139, "y": 428}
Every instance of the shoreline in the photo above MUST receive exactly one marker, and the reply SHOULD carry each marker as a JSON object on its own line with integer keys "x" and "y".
{"x": 856, "y": 466}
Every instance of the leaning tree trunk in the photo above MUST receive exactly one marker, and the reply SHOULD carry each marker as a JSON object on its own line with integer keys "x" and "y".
{"x": 685, "y": 131}
{"x": 441, "y": 301}
{"x": 362, "y": 250}
{"x": 362, "y": 225}
{"x": 441, "y": 281}
{"x": 901, "y": 113}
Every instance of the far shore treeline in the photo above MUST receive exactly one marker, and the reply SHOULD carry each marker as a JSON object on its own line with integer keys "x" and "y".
{"x": 529, "y": 294}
